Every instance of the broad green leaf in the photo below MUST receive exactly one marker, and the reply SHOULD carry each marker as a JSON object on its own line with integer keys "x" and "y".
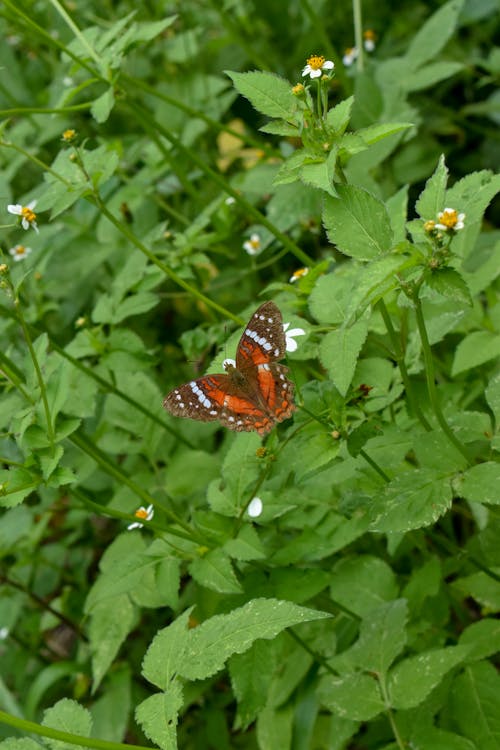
{"x": 111, "y": 711}
{"x": 165, "y": 654}
{"x": 382, "y": 637}
{"x": 267, "y": 92}
{"x": 433, "y": 35}
{"x": 471, "y": 195}
{"x": 20, "y": 743}
{"x": 215, "y": 571}
{"x": 102, "y": 106}
{"x": 397, "y": 208}
{"x": 280, "y": 127}
{"x": 110, "y": 623}
{"x": 475, "y": 705}
{"x": 299, "y": 585}
{"x": 332, "y": 293}
{"x": 480, "y": 483}
{"x": 434, "y": 451}
{"x": 429, "y": 738}
{"x": 374, "y": 281}
{"x": 354, "y": 697}
{"x": 412, "y": 679}
{"x": 449, "y": 283}
{"x": 481, "y": 587}
{"x": 246, "y": 546}
{"x": 474, "y": 350}
{"x": 431, "y": 200}
{"x": 362, "y": 583}
{"x": 215, "y": 640}
{"x": 432, "y": 74}
{"x": 355, "y": 143}
{"x": 339, "y": 352}
{"x": 15, "y": 485}
{"x": 274, "y": 728}
{"x": 424, "y": 582}
{"x": 493, "y": 398}
{"x": 158, "y": 716}
{"x": 339, "y": 115}
{"x": 67, "y": 716}
{"x": 357, "y": 223}
{"x": 410, "y": 501}
{"x": 251, "y": 675}
{"x": 482, "y": 639}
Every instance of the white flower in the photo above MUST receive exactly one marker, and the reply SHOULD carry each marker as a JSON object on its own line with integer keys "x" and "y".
{"x": 145, "y": 514}
{"x": 350, "y": 56}
{"x": 316, "y": 65}
{"x": 450, "y": 219}
{"x": 255, "y": 507}
{"x": 26, "y": 212}
{"x": 296, "y": 275}
{"x": 369, "y": 40}
{"x": 230, "y": 200}
{"x": 19, "y": 252}
{"x": 253, "y": 246}
{"x": 4, "y": 633}
{"x": 291, "y": 344}
{"x": 67, "y": 81}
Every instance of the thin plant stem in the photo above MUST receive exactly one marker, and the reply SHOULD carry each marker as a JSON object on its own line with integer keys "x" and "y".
{"x": 39, "y": 376}
{"x": 358, "y": 34}
{"x": 77, "y": 33}
{"x": 369, "y": 460}
{"x": 431, "y": 384}
{"x": 399, "y": 356}
{"x": 30, "y": 727}
{"x": 383, "y": 689}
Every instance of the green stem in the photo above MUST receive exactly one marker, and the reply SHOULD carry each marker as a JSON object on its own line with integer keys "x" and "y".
{"x": 39, "y": 377}
{"x": 358, "y": 34}
{"x": 26, "y": 111}
{"x": 77, "y": 33}
{"x": 399, "y": 357}
{"x": 222, "y": 183}
{"x": 390, "y": 715}
{"x": 8, "y": 369}
{"x": 30, "y": 727}
{"x": 374, "y": 465}
{"x": 85, "y": 445}
{"x": 431, "y": 384}
{"x": 43, "y": 166}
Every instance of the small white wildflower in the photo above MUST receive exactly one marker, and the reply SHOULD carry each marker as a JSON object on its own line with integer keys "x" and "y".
{"x": 255, "y": 506}
{"x": 291, "y": 344}
{"x": 253, "y": 246}
{"x": 20, "y": 252}
{"x": 145, "y": 514}
{"x": 26, "y": 212}
{"x": 4, "y": 633}
{"x": 350, "y": 56}
{"x": 299, "y": 274}
{"x": 230, "y": 200}
{"x": 316, "y": 65}
{"x": 369, "y": 40}
{"x": 450, "y": 219}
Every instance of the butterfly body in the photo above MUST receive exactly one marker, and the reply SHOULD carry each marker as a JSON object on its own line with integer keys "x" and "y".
{"x": 254, "y": 392}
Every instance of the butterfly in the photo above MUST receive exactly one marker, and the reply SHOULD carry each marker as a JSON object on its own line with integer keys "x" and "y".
{"x": 252, "y": 394}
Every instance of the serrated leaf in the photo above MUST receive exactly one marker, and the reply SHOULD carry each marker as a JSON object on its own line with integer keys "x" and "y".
{"x": 475, "y": 705}
{"x": 251, "y": 675}
{"x": 20, "y": 743}
{"x": 449, "y": 283}
{"x": 480, "y": 483}
{"x": 431, "y": 200}
{"x": 375, "y": 280}
{"x": 215, "y": 571}
{"x": 362, "y": 584}
{"x": 474, "y": 350}
{"x": 214, "y": 641}
{"x": 158, "y": 716}
{"x": 339, "y": 115}
{"x": 411, "y": 501}
{"x": 67, "y": 716}
{"x": 166, "y": 652}
{"x": 339, "y": 351}
{"x": 267, "y": 92}
{"x": 110, "y": 623}
{"x": 354, "y": 697}
{"x": 482, "y": 639}
{"x": 357, "y": 223}
{"x": 411, "y": 681}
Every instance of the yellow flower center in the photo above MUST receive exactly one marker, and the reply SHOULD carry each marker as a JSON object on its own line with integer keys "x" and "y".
{"x": 448, "y": 218}
{"x": 316, "y": 62}
{"x": 141, "y": 513}
{"x": 255, "y": 244}
{"x": 429, "y": 225}
{"x": 20, "y": 249}
{"x": 69, "y": 134}
{"x": 28, "y": 214}
{"x": 297, "y": 89}
{"x": 301, "y": 272}
{"x": 369, "y": 35}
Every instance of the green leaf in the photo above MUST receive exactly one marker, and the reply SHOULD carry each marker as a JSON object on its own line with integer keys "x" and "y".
{"x": 67, "y": 716}
{"x": 493, "y": 398}
{"x": 362, "y": 583}
{"x": 482, "y": 638}
{"x": 15, "y": 485}
{"x": 410, "y": 501}
{"x": 429, "y": 738}
{"x": 110, "y": 623}
{"x": 339, "y": 352}
{"x": 355, "y": 697}
{"x": 357, "y": 223}
{"x": 338, "y": 116}
{"x": 267, "y": 92}
{"x": 411, "y": 681}
{"x": 158, "y": 716}
{"x": 432, "y": 74}
{"x": 215, "y": 571}
{"x": 215, "y": 640}
{"x": 251, "y": 674}
{"x": 397, "y": 208}
{"x": 374, "y": 281}
{"x": 449, "y": 283}
{"x": 355, "y": 143}
{"x": 433, "y": 35}
{"x": 382, "y": 637}
{"x": 475, "y": 705}
{"x": 431, "y": 200}
{"x": 480, "y": 483}
{"x": 481, "y": 587}
{"x": 274, "y": 728}
{"x": 20, "y": 743}
{"x": 165, "y": 654}
{"x": 102, "y": 106}
{"x": 474, "y": 350}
